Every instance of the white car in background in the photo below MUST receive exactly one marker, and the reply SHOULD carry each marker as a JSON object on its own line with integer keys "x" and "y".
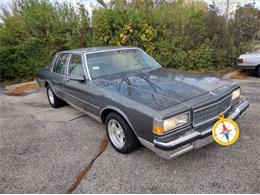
{"x": 250, "y": 61}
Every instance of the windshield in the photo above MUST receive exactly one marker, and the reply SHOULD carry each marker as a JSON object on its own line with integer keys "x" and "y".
{"x": 119, "y": 61}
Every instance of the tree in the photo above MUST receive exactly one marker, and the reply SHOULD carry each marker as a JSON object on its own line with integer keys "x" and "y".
{"x": 102, "y": 3}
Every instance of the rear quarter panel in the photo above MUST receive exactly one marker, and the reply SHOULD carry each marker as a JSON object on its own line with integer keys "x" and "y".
{"x": 43, "y": 75}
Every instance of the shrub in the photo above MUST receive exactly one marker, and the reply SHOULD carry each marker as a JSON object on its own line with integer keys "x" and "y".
{"x": 179, "y": 34}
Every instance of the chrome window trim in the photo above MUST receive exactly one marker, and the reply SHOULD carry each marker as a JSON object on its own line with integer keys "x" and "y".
{"x": 82, "y": 58}
{"x": 55, "y": 61}
{"x": 108, "y": 50}
{"x": 214, "y": 118}
{"x": 55, "y": 57}
{"x": 66, "y": 65}
{"x": 86, "y": 65}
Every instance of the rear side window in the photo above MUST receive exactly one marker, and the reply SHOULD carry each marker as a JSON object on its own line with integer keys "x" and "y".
{"x": 60, "y": 64}
{"x": 76, "y": 66}
{"x": 52, "y": 61}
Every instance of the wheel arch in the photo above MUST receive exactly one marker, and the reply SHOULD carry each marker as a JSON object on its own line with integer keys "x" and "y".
{"x": 108, "y": 109}
{"x": 258, "y": 70}
{"x": 46, "y": 83}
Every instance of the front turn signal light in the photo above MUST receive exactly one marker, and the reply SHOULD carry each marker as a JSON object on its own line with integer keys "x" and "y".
{"x": 158, "y": 130}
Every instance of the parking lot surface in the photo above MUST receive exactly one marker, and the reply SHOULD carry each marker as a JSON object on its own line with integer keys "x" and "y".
{"x": 46, "y": 150}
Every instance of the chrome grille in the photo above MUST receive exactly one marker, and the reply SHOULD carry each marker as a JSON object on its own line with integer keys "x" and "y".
{"x": 211, "y": 112}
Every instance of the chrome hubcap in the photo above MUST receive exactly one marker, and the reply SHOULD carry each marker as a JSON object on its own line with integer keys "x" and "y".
{"x": 51, "y": 96}
{"x": 116, "y": 133}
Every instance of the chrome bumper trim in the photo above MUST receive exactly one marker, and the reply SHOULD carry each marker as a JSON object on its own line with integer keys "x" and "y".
{"x": 178, "y": 141}
{"x": 193, "y": 140}
{"x": 239, "y": 110}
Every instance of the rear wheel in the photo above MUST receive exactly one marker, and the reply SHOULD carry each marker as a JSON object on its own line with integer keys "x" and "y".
{"x": 54, "y": 101}
{"x": 120, "y": 134}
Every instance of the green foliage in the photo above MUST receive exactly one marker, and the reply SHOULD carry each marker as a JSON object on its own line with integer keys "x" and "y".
{"x": 179, "y": 34}
{"x": 34, "y": 30}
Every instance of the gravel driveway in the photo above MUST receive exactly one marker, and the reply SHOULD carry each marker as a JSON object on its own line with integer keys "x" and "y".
{"x": 45, "y": 150}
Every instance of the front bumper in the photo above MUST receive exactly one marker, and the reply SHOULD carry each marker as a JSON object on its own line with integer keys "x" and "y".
{"x": 194, "y": 140}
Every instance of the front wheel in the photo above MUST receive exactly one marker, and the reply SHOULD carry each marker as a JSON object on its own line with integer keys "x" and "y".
{"x": 54, "y": 101}
{"x": 258, "y": 71}
{"x": 120, "y": 134}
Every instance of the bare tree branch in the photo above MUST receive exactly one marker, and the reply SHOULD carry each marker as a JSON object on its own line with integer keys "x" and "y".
{"x": 102, "y": 3}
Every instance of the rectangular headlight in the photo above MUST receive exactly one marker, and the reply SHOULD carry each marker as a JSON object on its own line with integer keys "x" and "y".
{"x": 236, "y": 94}
{"x": 160, "y": 127}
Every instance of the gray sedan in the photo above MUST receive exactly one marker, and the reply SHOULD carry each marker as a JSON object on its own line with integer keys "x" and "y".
{"x": 168, "y": 111}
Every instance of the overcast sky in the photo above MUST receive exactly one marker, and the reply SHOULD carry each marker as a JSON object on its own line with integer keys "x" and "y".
{"x": 90, "y": 4}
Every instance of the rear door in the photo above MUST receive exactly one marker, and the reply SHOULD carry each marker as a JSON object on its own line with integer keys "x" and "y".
{"x": 58, "y": 74}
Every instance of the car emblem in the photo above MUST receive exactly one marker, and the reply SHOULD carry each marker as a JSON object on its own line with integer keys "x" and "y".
{"x": 225, "y": 131}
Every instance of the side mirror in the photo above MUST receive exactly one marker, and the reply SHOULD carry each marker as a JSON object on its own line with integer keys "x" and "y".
{"x": 77, "y": 78}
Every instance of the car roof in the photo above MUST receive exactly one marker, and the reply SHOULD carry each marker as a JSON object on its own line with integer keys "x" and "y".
{"x": 96, "y": 49}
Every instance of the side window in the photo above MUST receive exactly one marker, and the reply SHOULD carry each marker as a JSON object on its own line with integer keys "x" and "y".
{"x": 60, "y": 64}
{"x": 75, "y": 66}
{"x": 51, "y": 64}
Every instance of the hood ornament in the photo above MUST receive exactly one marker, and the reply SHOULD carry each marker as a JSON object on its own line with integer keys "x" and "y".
{"x": 212, "y": 93}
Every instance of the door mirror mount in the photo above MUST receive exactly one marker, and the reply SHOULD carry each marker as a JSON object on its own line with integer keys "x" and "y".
{"x": 78, "y": 78}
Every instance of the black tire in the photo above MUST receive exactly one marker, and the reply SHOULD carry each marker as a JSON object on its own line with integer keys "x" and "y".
{"x": 258, "y": 71}
{"x": 56, "y": 102}
{"x": 131, "y": 142}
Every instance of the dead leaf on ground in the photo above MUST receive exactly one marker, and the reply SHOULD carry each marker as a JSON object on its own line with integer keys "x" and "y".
{"x": 240, "y": 76}
{"x": 22, "y": 89}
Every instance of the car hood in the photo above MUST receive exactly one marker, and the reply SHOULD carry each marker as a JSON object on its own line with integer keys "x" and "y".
{"x": 160, "y": 88}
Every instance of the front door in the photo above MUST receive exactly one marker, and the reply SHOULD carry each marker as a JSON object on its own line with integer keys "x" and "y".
{"x": 77, "y": 92}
